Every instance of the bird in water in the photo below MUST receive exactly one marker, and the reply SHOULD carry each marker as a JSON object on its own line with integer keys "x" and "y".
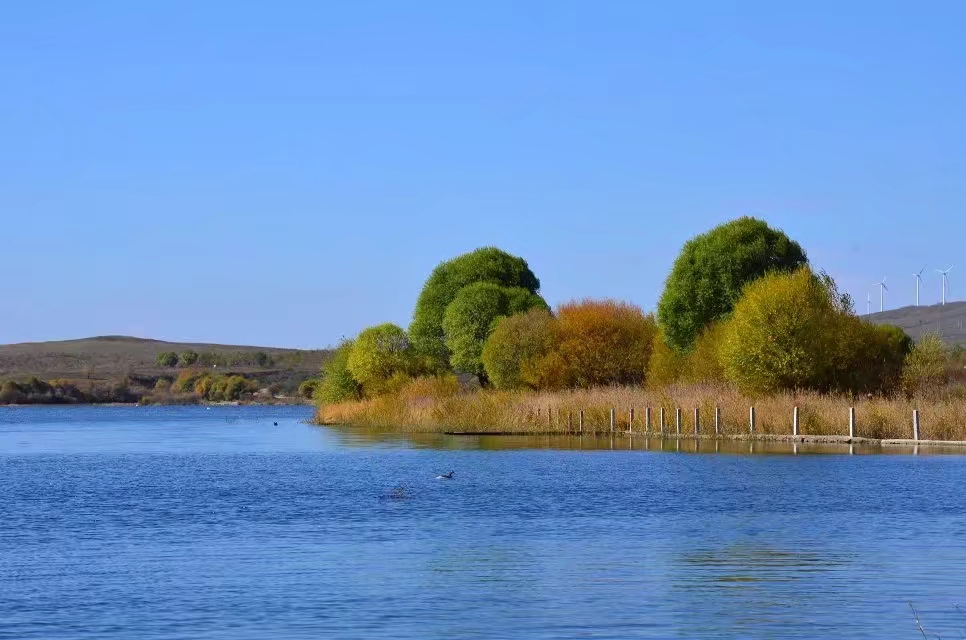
{"x": 276, "y": 424}
{"x": 446, "y": 476}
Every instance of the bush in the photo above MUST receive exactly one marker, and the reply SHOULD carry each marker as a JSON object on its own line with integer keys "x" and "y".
{"x": 483, "y": 265}
{"x": 167, "y": 359}
{"x": 187, "y": 358}
{"x": 185, "y": 381}
{"x": 307, "y": 388}
{"x": 203, "y": 386}
{"x": 602, "y": 342}
{"x": 336, "y": 383}
{"x": 472, "y": 315}
{"x": 666, "y": 365}
{"x": 925, "y": 367}
{"x": 514, "y": 351}
{"x": 712, "y": 270}
{"x": 12, "y": 393}
{"x": 378, "y": 354}
{"x": 703, "y": 364}
{"x": 783, "y": 335}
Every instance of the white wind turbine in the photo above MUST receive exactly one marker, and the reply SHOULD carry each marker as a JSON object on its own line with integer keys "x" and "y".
{"x": 882, "y": 289}
{"x": 868, "y": 303}
{"x": 945, "y": 284}
{"x": 918, "y": 283}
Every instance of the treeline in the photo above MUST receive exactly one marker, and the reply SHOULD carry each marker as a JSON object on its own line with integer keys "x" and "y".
{"x": 259, "y": 359}
{"x": 742, "y": 306}
{"x": 36, "y": 391}
{"x": 198, "y": 385}
{"x": 189, "y": 387}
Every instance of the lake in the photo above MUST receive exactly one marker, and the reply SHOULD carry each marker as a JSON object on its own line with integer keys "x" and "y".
{"x": 187, "y": 522}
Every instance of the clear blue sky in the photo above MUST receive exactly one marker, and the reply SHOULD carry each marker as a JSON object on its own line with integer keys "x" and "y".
{"x": 287, "y": 173}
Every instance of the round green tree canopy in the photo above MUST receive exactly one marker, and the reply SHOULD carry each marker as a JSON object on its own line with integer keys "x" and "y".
{"x": 471, "y": 317}
{"x": 376, "y": 355}
{"x": 488, "y": 264}
{"x": 712, "y": 270}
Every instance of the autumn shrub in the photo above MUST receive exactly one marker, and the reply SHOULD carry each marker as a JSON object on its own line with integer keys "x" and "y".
{"x": 703, "y": 363}
{"x": 783, "y": 335}
{"x": 602, "y": 342}
{"x": 666, "y": 365}
{"x": 185, "y": 381}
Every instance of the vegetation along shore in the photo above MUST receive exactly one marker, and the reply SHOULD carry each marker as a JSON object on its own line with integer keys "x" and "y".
{"x": 748, "y": 339}
{"x": 122, "y": 369}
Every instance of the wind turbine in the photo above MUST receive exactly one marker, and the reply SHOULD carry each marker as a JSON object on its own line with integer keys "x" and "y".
{"x": 918, "y": 283}
{"x": 868, "y": 303}
{"x": 945, "y": 286}
{"x": 882, "y": 289}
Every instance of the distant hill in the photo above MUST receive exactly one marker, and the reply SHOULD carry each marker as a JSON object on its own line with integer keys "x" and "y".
{"x": 947, "y": 320}
{"x": 109, "y": 357}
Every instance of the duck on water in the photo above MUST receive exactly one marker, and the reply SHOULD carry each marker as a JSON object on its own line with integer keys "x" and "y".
{"x": 446, "y": 476}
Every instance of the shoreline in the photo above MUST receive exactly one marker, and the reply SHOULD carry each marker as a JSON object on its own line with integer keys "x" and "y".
{"x": 765, "y": 437}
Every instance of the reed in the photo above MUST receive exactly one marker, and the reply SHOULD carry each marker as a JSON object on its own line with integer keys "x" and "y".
{"x": 437, "y": 405}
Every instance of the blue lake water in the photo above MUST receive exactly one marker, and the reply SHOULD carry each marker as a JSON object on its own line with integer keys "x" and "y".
{"x": 186, "y": 522}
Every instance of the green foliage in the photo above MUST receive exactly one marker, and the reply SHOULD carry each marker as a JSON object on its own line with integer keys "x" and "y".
{"x": 712, "y": 270}
{"x": 471, "y": 316}
{"x": 925, "y": 367}
{"x": 515, "y": 347}
{"x": 167, "y": 359}
{"x": 796, "y": 331}
{"x": 307, "y": 388}
{"x": 783, "y": 334}
{"x": 871, "y": 356}
{"x": 187, "y": 358}
{"x": 483, "y": 265}
{"x": 377, "y": 355}
{"x": 336, "y": 383}
{"x": 258, "y": 359}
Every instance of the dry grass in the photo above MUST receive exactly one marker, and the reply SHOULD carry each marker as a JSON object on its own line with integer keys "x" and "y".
{"x": 439, "y": 405}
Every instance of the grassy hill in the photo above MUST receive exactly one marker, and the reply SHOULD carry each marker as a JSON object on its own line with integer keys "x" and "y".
{"x": 108, "y": 359}
{"x": 947, "y": 320}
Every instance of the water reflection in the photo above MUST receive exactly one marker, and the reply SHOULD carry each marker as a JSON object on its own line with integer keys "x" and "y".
{"x": 356, "y": 437}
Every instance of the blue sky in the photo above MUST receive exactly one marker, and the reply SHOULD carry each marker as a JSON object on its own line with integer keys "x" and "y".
{"x": 287, "y": 173}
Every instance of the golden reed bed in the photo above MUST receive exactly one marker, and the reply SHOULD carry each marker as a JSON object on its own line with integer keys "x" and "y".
{"x": 438, "y": 405}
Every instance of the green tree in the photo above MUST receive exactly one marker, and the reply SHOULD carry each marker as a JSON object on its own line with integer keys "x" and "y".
{"x": 307, "y": 388}
{"x": 925, "y": 367}
{"x": 336, "y": 383}
{"x": 379, "y": 354}
{"x": 712, "y": 270}
{"x": 187, "y": 358}
{"x": 470, "y": 319}
{"x": 514, "y": 350}
{"x": 488, "y": 264}
{"x": 167, "y": 359}
{"x": 783, "y": 334}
